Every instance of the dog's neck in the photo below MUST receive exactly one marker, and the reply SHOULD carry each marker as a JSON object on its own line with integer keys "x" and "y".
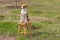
{"x": 23, "y": 10}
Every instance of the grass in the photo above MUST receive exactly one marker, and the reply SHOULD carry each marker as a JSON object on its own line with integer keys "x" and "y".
{"x": 8, "y": 28}
{"x": 16, "y": 11}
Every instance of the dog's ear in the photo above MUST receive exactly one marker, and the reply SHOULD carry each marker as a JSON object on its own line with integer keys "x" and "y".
{"x": 24, "y": 5}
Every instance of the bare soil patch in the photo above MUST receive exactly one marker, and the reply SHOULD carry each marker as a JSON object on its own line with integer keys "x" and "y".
{"x": 7, "y": 38}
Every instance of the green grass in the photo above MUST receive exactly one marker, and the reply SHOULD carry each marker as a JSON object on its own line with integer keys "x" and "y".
{"x": 16, "y": 11}
{"x": 8, "y": 28}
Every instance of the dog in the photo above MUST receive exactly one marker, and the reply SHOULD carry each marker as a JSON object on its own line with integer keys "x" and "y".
{"x": 24, "y": 15}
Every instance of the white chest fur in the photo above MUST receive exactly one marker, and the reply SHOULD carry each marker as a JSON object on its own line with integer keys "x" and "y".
{"x": 23, "y": 16}
{"x": 23, "y": 11}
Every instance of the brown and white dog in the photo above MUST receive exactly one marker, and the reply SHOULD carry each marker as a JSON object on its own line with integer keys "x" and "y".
{"x": 24, "y": 19}
{"x": 24, "y": 15}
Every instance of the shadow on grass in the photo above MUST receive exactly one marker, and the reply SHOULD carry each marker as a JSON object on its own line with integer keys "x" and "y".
{"x": 34, "y": 28}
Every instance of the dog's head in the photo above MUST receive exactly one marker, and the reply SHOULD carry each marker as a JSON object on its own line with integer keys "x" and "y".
{"x": 23, "y": 5}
